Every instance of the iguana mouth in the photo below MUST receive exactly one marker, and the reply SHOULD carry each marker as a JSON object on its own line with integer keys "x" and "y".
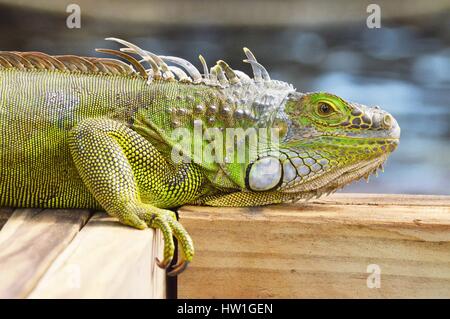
{"x": 304, "y": 171}
{"x": 338, "y": 178}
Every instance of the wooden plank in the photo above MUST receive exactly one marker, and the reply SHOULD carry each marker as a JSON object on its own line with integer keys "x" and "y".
{"x": 322, "y": 249}
{"x": 106, "y": 260}
{"x": 30, "y": 240}
{"x": 385, "y": 199}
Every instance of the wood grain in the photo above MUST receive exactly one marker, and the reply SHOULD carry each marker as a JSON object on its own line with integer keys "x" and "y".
{"x": 322, "y": 249}
{"x": 29, "y": 242}
{"x": 106, "y": 260}
{"x": 385, "y": 199}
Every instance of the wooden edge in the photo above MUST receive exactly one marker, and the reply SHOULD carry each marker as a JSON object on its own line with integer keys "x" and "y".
{"x": 320, "y": 250}
{"x": 384, "y": 199}
{"x": 106, "y": 260}
{"x": 29, "y": 241}
{"x": 325, "y": 212}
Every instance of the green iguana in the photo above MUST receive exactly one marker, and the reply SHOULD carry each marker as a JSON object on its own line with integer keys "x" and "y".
{"x": 100, "y": 133}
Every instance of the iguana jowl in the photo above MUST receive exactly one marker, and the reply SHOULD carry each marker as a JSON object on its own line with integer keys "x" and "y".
{"x": 83, "y": 132}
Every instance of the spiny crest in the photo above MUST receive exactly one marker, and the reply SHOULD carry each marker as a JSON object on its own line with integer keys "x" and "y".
{"x": 65, "y": 63}
{"x": 221, "y": 74}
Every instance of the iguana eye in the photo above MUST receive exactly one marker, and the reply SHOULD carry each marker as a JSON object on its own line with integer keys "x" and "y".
{"x": 325, "y": 109}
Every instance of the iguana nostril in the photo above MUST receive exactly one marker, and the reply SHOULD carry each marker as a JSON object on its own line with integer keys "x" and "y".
{"x": 387, "y": 121}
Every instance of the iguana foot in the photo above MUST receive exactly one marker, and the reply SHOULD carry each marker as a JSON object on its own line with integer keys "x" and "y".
{"x": 166, "y": 221}
{"x": 120, "y": 168}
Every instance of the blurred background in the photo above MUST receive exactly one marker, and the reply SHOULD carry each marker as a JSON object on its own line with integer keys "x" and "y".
{"x": 404, "y": 66}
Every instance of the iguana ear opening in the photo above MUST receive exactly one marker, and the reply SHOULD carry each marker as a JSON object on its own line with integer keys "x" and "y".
{"x": 265, "y": 174}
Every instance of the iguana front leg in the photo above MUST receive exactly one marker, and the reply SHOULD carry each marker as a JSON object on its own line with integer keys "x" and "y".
{"x": 133, "y": 182}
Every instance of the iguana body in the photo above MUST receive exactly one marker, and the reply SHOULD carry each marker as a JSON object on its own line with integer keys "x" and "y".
{"x": 99, "y": 133}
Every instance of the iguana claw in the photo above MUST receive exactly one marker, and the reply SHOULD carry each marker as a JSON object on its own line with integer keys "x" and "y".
{"x": 163, "y": 264}
{"x": 165, "y": 221}
{"x": 178, "y": 268}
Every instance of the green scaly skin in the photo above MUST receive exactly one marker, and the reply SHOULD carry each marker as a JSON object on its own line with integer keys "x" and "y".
{"x": 81, "y": 134}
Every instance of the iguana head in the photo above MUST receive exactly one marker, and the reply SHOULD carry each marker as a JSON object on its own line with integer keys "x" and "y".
{"x": 326, "y": 143}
